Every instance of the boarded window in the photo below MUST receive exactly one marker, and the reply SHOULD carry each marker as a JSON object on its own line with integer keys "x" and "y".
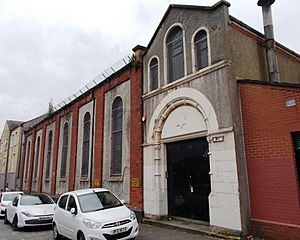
{"x": 201, "y": 51}
{"x": 37, "y": 157}
{"x": 117, "y": 121}
{"x": 27, "y": 160}
{"x": 153, "y": 74}
{"x": 49, "y": 153}
{"x": 64, "y": 151}
{"x": 175, "y": 54}
{"x": 296, "y": 141}
{"x": 86, "y": 145}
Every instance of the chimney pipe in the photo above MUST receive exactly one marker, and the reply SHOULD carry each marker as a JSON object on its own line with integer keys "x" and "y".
{"x": 269, "y": 39}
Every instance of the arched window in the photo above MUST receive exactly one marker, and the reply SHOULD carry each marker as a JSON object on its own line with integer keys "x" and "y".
{"x": 49, "y": 151}
{"x": 116, "y": 144}
{"x": 64, "y": 150}
{"x": 37, "y": 156}
{"x": 153, "y": 71}
{"x": 175, "y": 56}
{"x": 201, "y": 50}
{"x": 27, "y": 160}
{"x": 86, "y": 145}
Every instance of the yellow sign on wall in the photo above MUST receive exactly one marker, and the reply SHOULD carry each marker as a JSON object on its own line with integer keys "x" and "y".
{"x": 135, "y": 182}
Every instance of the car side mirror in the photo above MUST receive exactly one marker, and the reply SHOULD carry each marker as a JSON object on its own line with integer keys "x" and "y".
{"x": 122, "y": 201}
{"x": 73, "y": 211}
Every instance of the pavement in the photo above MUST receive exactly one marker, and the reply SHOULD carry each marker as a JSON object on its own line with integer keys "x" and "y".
{"x": 147, "y": 232}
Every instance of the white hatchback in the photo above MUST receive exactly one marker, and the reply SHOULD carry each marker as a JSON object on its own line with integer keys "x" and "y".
{"x": 6, "y": 198}
{"x": 94, "y": 214}
{"x": 30, "y": 210}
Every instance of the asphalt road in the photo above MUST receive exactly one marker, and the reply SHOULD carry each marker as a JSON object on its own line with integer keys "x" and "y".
{"x": 147, "y": 232}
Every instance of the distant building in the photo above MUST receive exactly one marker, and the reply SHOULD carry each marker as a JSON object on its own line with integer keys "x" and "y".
{"x": 10, "y": 150}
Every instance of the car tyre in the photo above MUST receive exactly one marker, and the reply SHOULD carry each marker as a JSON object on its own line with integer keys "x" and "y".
{"x": 5, "y": 218}
{"x": 15, "y": 224}
{"x": 56, "y": 235}
{"x": 81, "y": 236}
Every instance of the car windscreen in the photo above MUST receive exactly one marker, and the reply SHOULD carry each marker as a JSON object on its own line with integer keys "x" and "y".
{"x": 36, "y": 200}
{"x": 9, "y": 196}
{"x": 96, "y": 201}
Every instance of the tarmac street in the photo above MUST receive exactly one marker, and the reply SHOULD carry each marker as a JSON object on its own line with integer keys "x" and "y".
{"x": 147, "y": 232}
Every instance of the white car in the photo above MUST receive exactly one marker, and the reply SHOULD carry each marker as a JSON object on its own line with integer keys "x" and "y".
{"x": 94, "y": 214}
{"x": 5, "y": 198}
{"x": 30, "y": 210}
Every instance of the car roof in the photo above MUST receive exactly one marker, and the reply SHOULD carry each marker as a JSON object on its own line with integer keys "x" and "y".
{"x": 85, "y": 191}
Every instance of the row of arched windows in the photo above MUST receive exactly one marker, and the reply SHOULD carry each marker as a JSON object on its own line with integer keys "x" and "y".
{"x": 116, "y": 145}
{"x": 175, "y": 59}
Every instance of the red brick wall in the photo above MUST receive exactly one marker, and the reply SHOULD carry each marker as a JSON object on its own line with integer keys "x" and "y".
{"x": 136, "y": 162}
{"x": 273, "y": 184}
{"x": 136, "y": 154}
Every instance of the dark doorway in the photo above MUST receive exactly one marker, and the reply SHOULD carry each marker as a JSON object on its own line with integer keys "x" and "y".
{"x": 188, "y": 179}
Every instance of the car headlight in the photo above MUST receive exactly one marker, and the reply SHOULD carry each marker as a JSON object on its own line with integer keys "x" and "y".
{"x": 28, "y": 214}
{"x": 91, "y": 224}
{"x": 132, "y": 215}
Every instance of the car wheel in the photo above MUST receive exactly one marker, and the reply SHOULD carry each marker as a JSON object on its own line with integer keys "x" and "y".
{"x": 81, "y": 236}
{"x": 5, "y": 218}
{"x": 15, "y": 224}
{"x": 56, "y": 235}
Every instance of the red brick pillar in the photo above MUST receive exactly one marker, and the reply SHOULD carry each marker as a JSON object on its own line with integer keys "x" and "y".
{"x": 29, "y": 175}
{"x": 55, "y": 154}
{"x": 40, "y": 176}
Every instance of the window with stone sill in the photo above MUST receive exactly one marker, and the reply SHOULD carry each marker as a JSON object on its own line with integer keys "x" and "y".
{"x": 27, "y": 160}
{"x": 116, "y": 137}
{"x": 153, "y": 72}
{"x": 86, "y": 145}
{"x": 64, "y": 152}
{"x": 201, "y": 50}
{"x": 37, "y": 157}
{"x": 175, "y": 54}
{"x": 49, "y": 153}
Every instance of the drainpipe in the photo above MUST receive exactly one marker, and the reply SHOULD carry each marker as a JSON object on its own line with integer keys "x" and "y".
{"x": 92, "y": 147}
{"x": 269, "y": 39}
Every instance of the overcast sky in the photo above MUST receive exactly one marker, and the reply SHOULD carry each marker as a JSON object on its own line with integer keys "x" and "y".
{"x": 51, "y": 48}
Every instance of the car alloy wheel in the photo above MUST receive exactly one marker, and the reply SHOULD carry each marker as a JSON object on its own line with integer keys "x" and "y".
{"x": 15, "y": 224}
{"x": 56, "y": 235}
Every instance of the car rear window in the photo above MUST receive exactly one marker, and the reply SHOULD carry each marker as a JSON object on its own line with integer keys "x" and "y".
{"x": 96, "y": 201}
{"x": 36, "y": 200}
{"x": 9, "y": 196}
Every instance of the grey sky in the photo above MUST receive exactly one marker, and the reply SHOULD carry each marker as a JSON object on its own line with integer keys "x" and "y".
{"x": 50, "y": 49}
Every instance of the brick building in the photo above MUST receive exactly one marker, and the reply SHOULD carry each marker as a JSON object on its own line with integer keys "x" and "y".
{"x": 178, "y": 133}
{"x": 271, "y": 121}
{"x": 92, "y": 141}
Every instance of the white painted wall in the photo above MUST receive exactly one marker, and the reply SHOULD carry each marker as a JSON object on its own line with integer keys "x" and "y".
{"x": 119, "y": 185}
{"x": 81, "y": 183}
{"x": 63, "y": 183}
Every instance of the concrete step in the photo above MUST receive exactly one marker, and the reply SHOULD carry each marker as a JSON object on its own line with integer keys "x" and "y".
{"x": 189, "y": 227}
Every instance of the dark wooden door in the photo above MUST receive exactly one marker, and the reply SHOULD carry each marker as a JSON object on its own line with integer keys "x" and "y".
{"x": 188, "y": 179}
